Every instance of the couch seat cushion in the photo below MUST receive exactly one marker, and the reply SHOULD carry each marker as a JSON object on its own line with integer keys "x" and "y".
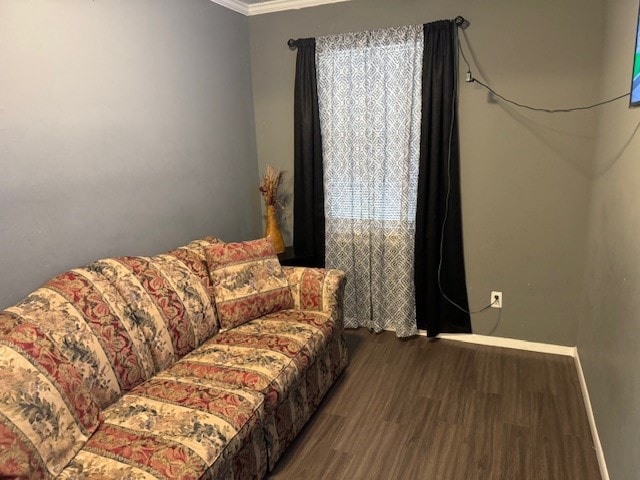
{"x": 172, "y": 427}
{"x": 268, "y": 354}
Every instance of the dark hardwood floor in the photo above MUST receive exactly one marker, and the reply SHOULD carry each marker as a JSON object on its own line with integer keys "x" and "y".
{"x": 445, "y": 410}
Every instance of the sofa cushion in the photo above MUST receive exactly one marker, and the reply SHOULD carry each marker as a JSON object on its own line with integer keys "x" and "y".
{"x": 169, "y": 301}
{"x": 174, "y": 427}
{"x": 46, "y": 412}
{"x": 194, "y": 256}
{"x": 199, "y": 247}
{"x": 198, "y": 265}
{"x": 194, "y": 295}
{"x": 248, "y": 281}
{"x": 92, "y": 326}
{"x": 291, "y": 356}
{"x": 267, "y": 354}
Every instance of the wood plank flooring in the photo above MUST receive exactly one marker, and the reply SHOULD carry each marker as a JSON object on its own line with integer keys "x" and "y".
{"x": 445, "y": 410}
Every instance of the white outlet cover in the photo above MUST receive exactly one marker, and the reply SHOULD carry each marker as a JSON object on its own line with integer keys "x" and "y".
{"x": 492, "y": 299}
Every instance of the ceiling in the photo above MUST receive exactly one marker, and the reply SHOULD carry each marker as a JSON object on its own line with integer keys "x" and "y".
{"x": 258, "y": 7}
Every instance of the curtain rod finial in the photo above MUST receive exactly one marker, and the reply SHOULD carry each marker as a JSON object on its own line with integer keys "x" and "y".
{"x": 461, "y": 22}
{"x": 293, "y": 44}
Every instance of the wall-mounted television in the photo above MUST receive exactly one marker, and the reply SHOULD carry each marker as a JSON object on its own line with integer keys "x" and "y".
{"x": 635, "y": 78}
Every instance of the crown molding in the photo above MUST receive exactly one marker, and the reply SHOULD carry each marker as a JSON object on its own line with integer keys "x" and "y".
{"x": 235, "y": 5}
{"x": 281, "y": 5}
{"x": 271, "y": 6}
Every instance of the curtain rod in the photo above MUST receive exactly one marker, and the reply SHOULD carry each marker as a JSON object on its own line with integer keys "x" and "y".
{"x": 460, "y": 22}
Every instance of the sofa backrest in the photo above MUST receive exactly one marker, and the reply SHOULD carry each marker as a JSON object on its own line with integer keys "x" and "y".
{"x": 83, "y": 314}
{"x": 121, "y": 320}
{"x": 89, "y": 335}
{"x": 170, "y": 296}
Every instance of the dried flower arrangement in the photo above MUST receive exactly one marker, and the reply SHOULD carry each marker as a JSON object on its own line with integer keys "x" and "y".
{"x": 269, "y": 190}
{"x": 269, "y": 186}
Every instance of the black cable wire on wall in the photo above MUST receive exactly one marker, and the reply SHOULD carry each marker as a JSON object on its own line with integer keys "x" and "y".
{"x": 454, "y": 98}
{"x": 471, "y": 79}
{"x": 462, "y": 23}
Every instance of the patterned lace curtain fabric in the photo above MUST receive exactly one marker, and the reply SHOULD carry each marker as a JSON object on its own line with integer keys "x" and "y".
{"x": 369, "y": 94}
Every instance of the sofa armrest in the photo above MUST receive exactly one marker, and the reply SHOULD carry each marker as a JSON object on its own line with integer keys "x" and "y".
{"x": 317, "y": 289}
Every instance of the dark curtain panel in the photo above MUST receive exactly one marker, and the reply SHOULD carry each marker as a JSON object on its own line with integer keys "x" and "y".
{"x": 308, "y": 189}
{"x": 437, "y": 168}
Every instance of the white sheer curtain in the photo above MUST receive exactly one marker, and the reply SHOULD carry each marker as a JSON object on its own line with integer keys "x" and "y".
{"x": 369, "y": 92}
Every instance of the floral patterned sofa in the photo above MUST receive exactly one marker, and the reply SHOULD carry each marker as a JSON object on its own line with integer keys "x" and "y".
{"x": 203, "y": 362}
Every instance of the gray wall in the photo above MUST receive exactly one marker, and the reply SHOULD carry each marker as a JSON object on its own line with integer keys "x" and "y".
{"x": 126, "y": 127}
{"x": 525, "y": 176}
{"x": 609, "y": 329}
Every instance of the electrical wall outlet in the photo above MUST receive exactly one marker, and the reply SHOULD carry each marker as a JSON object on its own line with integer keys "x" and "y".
{"x": 496, "y": 299}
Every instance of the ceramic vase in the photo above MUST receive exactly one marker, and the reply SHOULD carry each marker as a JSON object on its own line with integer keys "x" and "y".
{"x": 272, "y": 230}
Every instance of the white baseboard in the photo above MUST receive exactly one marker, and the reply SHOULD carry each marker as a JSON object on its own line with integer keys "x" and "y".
{"x": 543, "y": 348}
{"x": 604, "y": 473}
{"x": 508, "y": 343}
